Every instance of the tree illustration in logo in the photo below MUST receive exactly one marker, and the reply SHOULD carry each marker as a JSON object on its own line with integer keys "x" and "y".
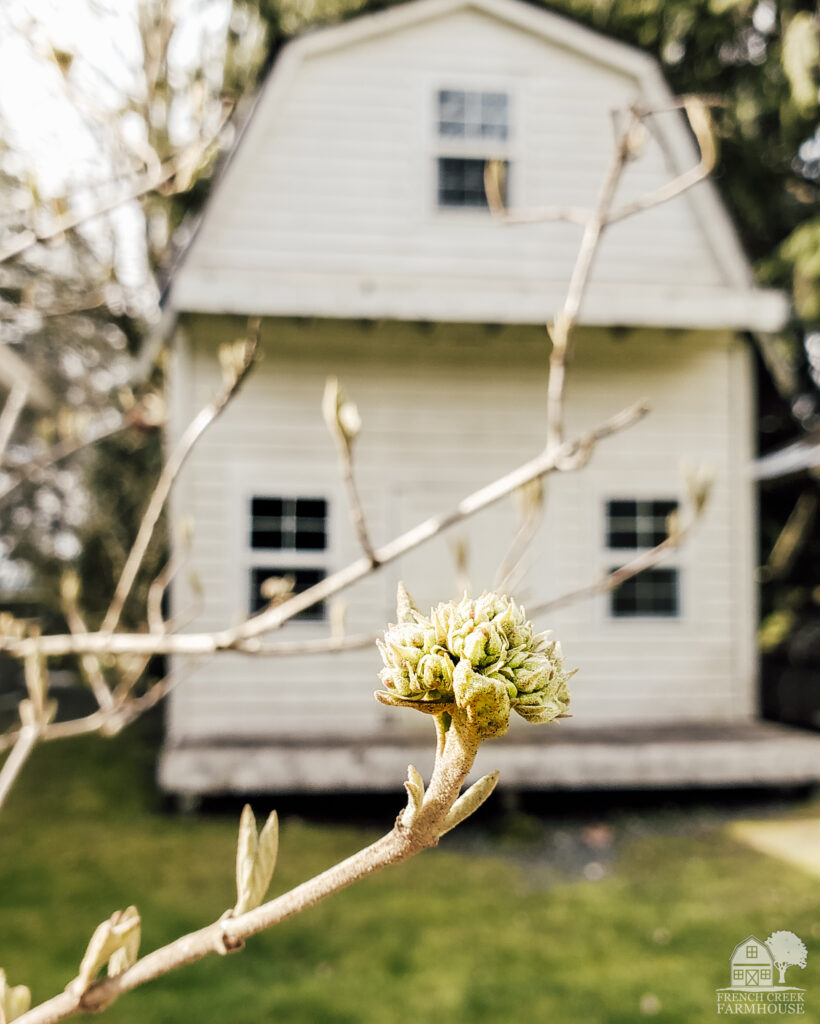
{"x": 787, "y": 951}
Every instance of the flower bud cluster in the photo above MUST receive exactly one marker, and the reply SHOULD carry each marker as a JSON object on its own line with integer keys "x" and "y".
{"x": 480, "y": 655}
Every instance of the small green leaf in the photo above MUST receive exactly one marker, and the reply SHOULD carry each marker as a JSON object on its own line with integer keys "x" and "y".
{"x": 14, "y": 1001}
{"x": 114, "y": 944}
{"x": 415, "y": 795}
{"x": 406, "y": 608}
{"x": 470, "y": 801}
{"x": 255, "y": 859}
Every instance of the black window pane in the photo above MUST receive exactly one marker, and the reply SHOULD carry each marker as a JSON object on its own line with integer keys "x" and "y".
{"x": 461, "y": 182}
{"x": 652, "y": 593}
{"x": 266, "y": 507}
{"x": 266, "y": 539}
{"x": 637, "y": 524}
{"x": 289, "y": 524}
{"x": 311, "y": 540}
{"x": 618, "y": 538}
{"x": 622, "y": 508}
{"x": 303, "y": 580}
{"x": 313, "y": 507}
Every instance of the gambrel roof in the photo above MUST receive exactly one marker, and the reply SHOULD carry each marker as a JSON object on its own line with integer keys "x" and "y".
{"x": 328, "y": 205}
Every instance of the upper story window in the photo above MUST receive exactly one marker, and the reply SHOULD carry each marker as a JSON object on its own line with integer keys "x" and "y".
{"x": 287, "y": 537}
{"x": 633, "y": 526}
{"x": 472, "y": 128}
{"x": 473, "y": 115}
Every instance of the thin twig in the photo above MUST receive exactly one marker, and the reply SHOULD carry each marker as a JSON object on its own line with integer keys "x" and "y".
{"x": 156, "y": 592}
{"x": 697, "y": 113}
{"x": 243, "y": 637}
{"x": 342, "y": 419}
{"x": 169, "y": 473}
{"x": 509, "y": 569}
{"x": 567, "y": 317}
{"x": 640, "y": 563}
{"x": 89, "y": 665}
{"x": 25, "y": 741}
{"x": 355, "y": 504}
{"x": 611, "y": 581}
{"x": 15, "y": 403}
{"x": 57, "y": 453}
{"x": 146, "y": 182}
{"x": 493, "y": 169}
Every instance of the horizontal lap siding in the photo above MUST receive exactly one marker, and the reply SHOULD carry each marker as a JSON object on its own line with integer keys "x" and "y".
{"x": 446, "y": 410}
{"x": 337, "y": 182}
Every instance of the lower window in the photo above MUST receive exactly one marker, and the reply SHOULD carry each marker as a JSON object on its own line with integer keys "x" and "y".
{"x": 461, "y": 182}
{"x": 303, "y": 580}
{"x": 653, "y": 592}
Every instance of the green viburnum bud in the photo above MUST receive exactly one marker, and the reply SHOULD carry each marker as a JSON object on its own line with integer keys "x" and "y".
{"x": 480, "y": 656}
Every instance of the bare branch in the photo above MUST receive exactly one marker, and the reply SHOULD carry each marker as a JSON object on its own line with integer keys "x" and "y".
{"x": 342, "y": 418}
{"x": 64, "y": 449}
{"x": 169, "y": 473}
{"x": 244, "y": 636}
{"x": 698, "y": 114}
{"x": 156, "y": 592}
{"x": 93, "y": 674}
{"x": 412, "y": 833}
{"x": 566, "y": 319}
{"x": 322, "y": 645}
{"x": 532, "y": 504}
{"x": 678, "y": 531}
{"x": 612, "y": 580}
{"x": 146, "y": 182}
{"x": 537, "y": 215}
{"x": 15, "y": 403}
{"x": 24, "y": 743}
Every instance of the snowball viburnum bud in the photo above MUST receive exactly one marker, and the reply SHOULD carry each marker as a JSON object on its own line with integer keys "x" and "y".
{"x": 479, "y": 656}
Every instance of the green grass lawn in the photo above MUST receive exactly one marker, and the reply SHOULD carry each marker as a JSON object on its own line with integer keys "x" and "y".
{"x": 453, "y": 935}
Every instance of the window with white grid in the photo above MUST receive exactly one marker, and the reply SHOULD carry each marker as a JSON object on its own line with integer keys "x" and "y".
{"x": 472, "y": 127}
{"x": 287, "y": 537}
{"x": 633, "y": 526}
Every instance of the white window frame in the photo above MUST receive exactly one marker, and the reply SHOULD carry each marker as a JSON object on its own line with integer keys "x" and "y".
{"x": 472, "y": 149}
{"x": 249, "y": 558}
{"x": 614, "y": 557}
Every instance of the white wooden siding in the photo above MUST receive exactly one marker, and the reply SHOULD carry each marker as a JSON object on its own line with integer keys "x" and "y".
{"x": 445, "y": 410}
{"x": 329, "y": 206}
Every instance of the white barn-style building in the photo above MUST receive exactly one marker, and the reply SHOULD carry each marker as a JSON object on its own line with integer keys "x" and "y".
{"x": 352, "y": 219}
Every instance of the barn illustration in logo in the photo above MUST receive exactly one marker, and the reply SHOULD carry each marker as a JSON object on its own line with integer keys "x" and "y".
{"x": 763, "y": 965}
{"x": 751, "y": 964}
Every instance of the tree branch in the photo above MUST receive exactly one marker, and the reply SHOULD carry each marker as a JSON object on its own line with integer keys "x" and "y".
{"x": 645, "y": 560}
{"x": 415, "y": 830}
{"x": 142, "y": 184}
{"x": 24, "y": 743}
{"x": 566, "y": 319}
{"x": 342, "y": 418}
{"x": 169, "y": 473}
{"x": 244, "y": 636}
{"x": 15, "y": 403}
{"x": 698, "y": 116}
{"x": 539, "y": 215}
